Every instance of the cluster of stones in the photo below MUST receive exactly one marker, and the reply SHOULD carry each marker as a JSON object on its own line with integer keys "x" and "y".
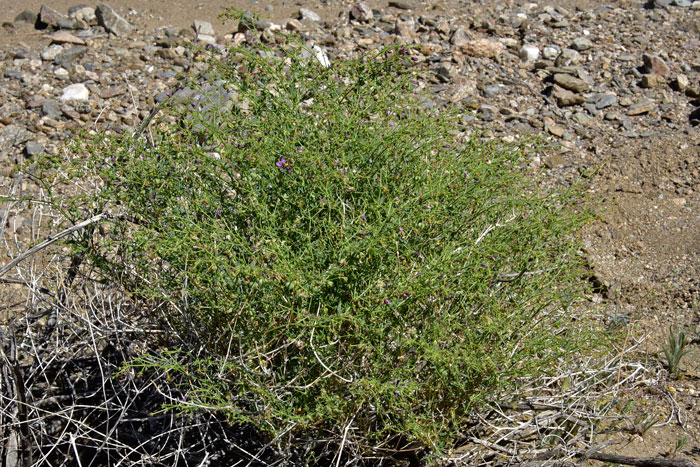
{"x": 579, "y": 77}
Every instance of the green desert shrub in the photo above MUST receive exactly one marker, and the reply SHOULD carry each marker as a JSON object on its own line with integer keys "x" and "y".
{"x": 330, "y": 258}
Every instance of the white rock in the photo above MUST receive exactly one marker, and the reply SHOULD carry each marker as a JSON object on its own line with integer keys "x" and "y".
{"x": 318, "y": 53}
{"x": 550, "y": 53}
{"x": 529, "y": 53}
{"x": 75, "y": 92}
{"x": 61, "y": 72}
{"x": 206, "y": 39}
{"x": 50, "y": 52}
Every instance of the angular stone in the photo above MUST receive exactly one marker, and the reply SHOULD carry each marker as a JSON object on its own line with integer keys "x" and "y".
{"x": 405, "y": 29}
{"x": 308, "y": 15}
{"x": 529, "y": 53}
{"x": 460, "y": 37}
{"x": 654, "y": 64}
{"x": 581, "y": 43}
{"x": 64, "y": 37}
{"x": 641, "y": 107}
{"x": 50, "y": 108}
{"x": 551, "y": 126}
{"x": 75, "y": 92}
{"x": 568, "y": 57}
{"x": 652, "y": 81}
{"x": 361, "y": 12}
{"x": 571, "y": 83}
{"x": 27, "y": 16}
{"x": 555, "y": 160}
{"x": 483, "y": 48}
{"x": 32, "y": 148}
{"x": 111, "y": 21}
{"x": 67, "y": 57}
{"x": 605, "y": 101}
{"x": 681, "y": 82}
{"x": 50, "y": 17}
{"x": 13, "y": 135}
{"x": 566, "y": 98}
{"x": 203, "y": 27}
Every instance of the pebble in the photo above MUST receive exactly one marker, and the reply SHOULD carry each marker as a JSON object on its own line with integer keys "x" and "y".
{"x": 571, "y": 83}
{"x": 581, "y": 44}
{"x": 75, "y": 92}
{"x": 605, "y": 101}
{"x": 641, "y": 107}
{"x": 64, "y": 37}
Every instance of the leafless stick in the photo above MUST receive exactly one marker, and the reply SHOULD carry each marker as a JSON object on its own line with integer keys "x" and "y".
{"x": 49, "y": 241}
{"x": 639, "y": 461}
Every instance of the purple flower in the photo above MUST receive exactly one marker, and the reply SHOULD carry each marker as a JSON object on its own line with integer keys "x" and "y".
{"x": 283, "y": 164}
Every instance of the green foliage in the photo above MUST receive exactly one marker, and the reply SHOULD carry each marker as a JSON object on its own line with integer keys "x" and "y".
{"x": 325, "y": 250}
{"x": 675, "y": 350}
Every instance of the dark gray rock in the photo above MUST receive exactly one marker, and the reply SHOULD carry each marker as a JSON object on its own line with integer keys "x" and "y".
{"x": 69, "y": 56}
{"x": 33, "y": 148}
{"x": 51, "y": 108}
{"x": 14, "y": 135}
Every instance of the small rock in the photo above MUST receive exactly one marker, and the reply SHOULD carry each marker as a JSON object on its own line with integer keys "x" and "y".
{"x": 483, "y": 48}
{"x": 581, "y": 118}
{"x": 487, "y": 113}
{"x": 82, "y": 13}
{"x": 51, "y": 108}
{"x": 64, "y": 37}
{"x": 13, "y": 135}
{"x": 33, "y": 148}
{"x": 27, "y": 16}
{"x": 361, "y": 12}
{"x": 651, "y": 81}
{"x": 68, "y": 56}
{"x": 460, "y": 37}
{"x": 405, "y": 29}
{"x": 206, "y": 39}
{"x": 312, "y": 50}
{"x": 551, "y": 52}
{"x": 50, "y": 52}
{"x": 50, "y": 17}
{"x": 447, "y": 73}
{"x": 555, "y": 160}
{"x": 605, "y": 101}
{"x": 568, "y": 57}
{"x": 529, "y": 53}
{"x": 75, "y": 92}
{"x": 551, "y": 126}
{"x": 571, "y": 83}
{"x": 566, "y": 98}
{"x": 654, "y": 65}
{"x": 111, "y": 21}
{"x": 203, "y": 27}
{"x": 294, "y": 25}
{"x": 308, "y": 15}
{"x": 493, "y": 90}
{"x": 402, "y": 4}
{"x": 681, "y": 82}
{"x": 581, "y": 44}
{"x": 641, "y": 107}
